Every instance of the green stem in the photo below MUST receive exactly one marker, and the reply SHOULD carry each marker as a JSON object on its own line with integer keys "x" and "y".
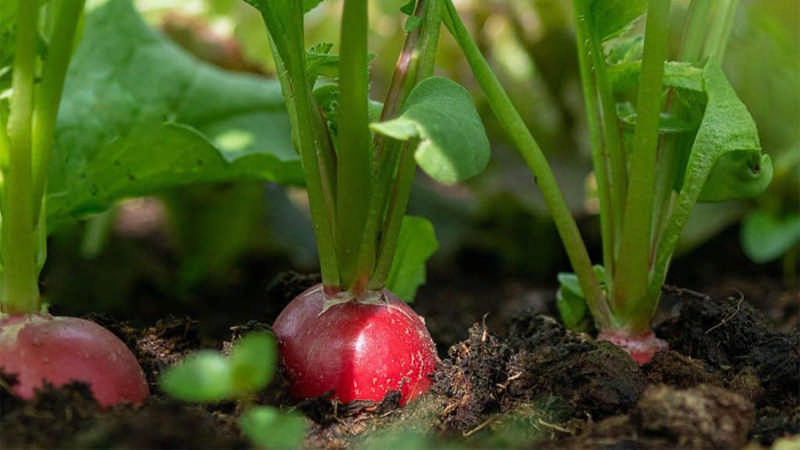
{"x": 721, "y": 31}
{"x": 599, "y": 155}
{"x": 613, "y": 150}
{"x": 515, "y": 127}
{"x": 415, "y": 63}
{"x": 694, "y": 38}
{"x": 353, "y": 164}
{"x": 48, "y": 96}
{"x": 20, "y": 288}
{"x": 398, "y": 202}
{"x": 309, "y": 132}
{"x": 630, "y": 300}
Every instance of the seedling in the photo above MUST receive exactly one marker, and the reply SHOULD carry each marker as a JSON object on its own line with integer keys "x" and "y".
{"x": 34, "y": 345}
{"x": 665, "y": 134}
{"x": 210, "y": 377}
{"x": 351, "y": 335}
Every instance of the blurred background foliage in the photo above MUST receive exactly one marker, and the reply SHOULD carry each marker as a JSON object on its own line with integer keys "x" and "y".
{"x": 498, "y": 220}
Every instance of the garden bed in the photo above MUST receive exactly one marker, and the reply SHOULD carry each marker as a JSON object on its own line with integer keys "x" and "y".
{"x": 511, "y": 375}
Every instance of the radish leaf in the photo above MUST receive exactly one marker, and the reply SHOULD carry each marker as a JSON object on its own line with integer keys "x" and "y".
{"x": 452, "y": 141}
{"x": 140, "y": 115}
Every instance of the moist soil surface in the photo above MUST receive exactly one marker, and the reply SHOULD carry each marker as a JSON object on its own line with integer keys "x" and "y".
{"x": 511, "y": 376}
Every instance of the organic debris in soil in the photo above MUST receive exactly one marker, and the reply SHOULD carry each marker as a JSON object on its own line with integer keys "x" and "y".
{"x": 162, "y": 424}
{"x": 540, "y": 360}
{"x": 733, "y": 337}
{"x": 702, "y": 417}
{"x": 46, "y": 419}
{"x": 725, "y": 357}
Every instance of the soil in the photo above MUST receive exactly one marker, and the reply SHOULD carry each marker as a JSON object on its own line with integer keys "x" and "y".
{"x": 511, "y": 375}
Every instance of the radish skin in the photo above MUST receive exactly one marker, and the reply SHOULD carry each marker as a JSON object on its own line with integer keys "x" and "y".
{"x": 40, "y": 348}
{"x": 360, "y": 351}
{"x": 641, "y": 347}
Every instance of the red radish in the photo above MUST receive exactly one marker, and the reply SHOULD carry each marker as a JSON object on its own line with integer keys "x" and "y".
{"x": 641, "y": 347}
{"x": 361, "y": 351}
{"x": 58, "y": 350}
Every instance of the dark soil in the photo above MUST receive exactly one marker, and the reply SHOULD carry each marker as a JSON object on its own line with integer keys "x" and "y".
{"x": 511, "y": 375}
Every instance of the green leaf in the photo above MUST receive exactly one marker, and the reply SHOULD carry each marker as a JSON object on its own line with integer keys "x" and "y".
{"x": 253, "y": 361}
{"x": 726, "y": 146}
{"x": 440, "y": 113}
{"x": 570, "y": 301}
{"x": 416, "y": 243}
{"x": 726, "y": 127}
{"x": 611, "y": 17}
{"x": 267, "y": 427}
{"x": 766, "y": 237}
{"x": 736, "y": 175}
{"x": 140, "y": 115}
{"x": 204, "y": 377}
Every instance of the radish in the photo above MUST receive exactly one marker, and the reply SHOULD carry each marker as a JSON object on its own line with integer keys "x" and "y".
{"x": 352, "y": 335}
{"x": 358, "y": 350}
{"x": 36, "y": 347}
{"x": 40, "y": 348}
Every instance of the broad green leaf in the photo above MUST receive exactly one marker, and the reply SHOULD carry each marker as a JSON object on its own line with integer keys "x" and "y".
{"x": 204, "y": 377}
{"x": 766, "y": 237}
{"x": 726, "y": 127}
{"x": 253, "y": 361}
{"x": 416, "y": 243}
{"x": 611, "y": 17}
{"x": 267, "y": 427}
{"x": 737, "y": 175}
{"x": 452, "y": 141}
{"x": 139, "y": 115}
{"x": 727, "y": 136}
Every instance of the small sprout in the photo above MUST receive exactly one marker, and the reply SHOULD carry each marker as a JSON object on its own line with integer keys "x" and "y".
{"x": 209, "y": 377}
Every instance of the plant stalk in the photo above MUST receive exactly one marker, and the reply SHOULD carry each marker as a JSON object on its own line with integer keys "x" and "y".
{"x": 694, "y": 37}
{"x": 20, "y": 287}
{"x": 48, "y": 96}
{"x": 515, "y": 127}
{"x": 309, "y": 134}
{"x": 630, "y": 300}
{"x": 354, "y": 171}
{"x": 721, "y": 31}
{"x": 600, "y": 159}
